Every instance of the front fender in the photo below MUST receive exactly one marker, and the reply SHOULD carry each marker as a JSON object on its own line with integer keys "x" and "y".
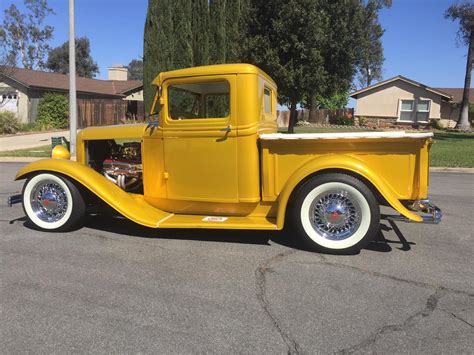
{"x": 132, "y": 206}
{"x": 340, "y": 162}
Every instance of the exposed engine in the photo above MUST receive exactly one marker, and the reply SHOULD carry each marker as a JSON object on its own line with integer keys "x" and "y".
{"x": 120, "y": 163}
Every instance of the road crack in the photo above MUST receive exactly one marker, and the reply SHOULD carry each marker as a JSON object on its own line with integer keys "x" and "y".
{"x": 324, "y": 261}
{"x": 411, "y": 321}
{"x": 458, "y": 318}
{"x": 260, "y": 275}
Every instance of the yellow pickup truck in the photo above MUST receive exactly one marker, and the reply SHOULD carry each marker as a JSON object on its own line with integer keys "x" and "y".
{"x": 212, "y": 158}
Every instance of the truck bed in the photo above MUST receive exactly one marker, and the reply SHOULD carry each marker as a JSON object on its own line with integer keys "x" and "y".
{"x": 398, "y": 160}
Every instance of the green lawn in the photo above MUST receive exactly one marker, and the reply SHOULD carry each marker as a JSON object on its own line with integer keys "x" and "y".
{"x": 453, "y": 150}
{"x": 450, "y": 149}
{"x": 39, "y": 152}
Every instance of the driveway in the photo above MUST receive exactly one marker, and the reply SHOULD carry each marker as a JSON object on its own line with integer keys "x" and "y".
{"x": 113, "y": 286}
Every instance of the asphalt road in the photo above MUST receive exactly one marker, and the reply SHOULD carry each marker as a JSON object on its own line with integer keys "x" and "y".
{"x": 112, "y": 286}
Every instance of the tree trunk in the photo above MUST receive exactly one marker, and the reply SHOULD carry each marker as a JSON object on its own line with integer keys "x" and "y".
{"x": 312, "y": 109}
{"x": 463, "y": 122}
{"x": 293, "y": 114}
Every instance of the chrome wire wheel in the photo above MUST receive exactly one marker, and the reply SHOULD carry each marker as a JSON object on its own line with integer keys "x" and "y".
{"x": 49, "y": 201}
{"x": 335, "y": 214}
{"x": 52, "y": 202}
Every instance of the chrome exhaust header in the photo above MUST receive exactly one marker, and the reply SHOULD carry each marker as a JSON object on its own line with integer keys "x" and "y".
{"x": 430, "y": 213}
{"x": 14, "y": 199}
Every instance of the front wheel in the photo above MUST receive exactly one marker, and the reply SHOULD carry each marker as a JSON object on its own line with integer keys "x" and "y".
{"x": 52, "y": 203}
{"x": 335, "y": 213}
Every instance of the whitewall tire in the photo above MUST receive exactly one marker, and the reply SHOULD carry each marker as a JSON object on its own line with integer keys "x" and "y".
{"x": 52, "y": 202}
{"x": 335, "y": 213}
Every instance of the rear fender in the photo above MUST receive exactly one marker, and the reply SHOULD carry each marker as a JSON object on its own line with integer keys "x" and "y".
{"x": 343, "y": 163}
{"x": 131, "y": 206}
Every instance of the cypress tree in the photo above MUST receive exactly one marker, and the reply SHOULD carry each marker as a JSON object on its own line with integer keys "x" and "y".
{"x": 200, "y": 29}
{"x": 182, "y": 34}
{"x": 233, "y": 14}
{"x": 158, "y": 45}
{"x": 217, "y": 31}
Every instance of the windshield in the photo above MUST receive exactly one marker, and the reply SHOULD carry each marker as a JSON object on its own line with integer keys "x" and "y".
{"x": 155, "y": 107}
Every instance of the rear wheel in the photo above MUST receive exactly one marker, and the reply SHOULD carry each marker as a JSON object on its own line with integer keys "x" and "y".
{"x": 335, "y": 213}
{"x": 52, "y": 202}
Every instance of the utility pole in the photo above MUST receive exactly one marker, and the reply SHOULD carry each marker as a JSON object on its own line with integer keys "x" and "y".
{"x": 72, "y": 80}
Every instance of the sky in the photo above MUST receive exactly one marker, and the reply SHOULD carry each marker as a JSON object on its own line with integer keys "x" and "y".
{"x": 418, "y": 42}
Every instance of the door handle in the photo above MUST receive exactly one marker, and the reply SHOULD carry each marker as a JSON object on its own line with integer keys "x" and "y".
{"x": 226, "y": 129}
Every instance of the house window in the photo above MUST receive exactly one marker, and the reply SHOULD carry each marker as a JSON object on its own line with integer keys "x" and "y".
{"x": 422, "y": 110}
{"x": 406, "y": 110}
{"x": 409, "y": 114}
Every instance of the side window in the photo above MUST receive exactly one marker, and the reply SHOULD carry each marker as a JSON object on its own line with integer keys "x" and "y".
{"x": 422, "y": 110}
{"x": 217, "y": 105}
{"x": 267, "y": 100}
{"x": 199, "y": 100}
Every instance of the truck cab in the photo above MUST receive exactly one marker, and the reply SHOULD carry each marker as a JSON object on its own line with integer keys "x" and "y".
{"x": 209, "y": 124}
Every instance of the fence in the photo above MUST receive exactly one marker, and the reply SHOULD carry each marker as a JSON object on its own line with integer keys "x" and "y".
{"x": 103, "y": 112}
{"x": 324, "y": 116}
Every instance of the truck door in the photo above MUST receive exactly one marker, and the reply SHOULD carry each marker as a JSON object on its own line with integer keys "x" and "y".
{"x": 200, "y": 142}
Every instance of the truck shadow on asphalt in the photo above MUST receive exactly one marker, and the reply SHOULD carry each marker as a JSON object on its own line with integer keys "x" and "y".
{"x": 285, "y": 237}
{"x": 122, "y": 226}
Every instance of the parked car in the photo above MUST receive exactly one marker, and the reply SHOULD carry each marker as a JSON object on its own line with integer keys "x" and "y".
{"x": 213, "y": 159}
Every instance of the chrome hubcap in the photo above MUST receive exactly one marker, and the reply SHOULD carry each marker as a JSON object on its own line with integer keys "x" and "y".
{"x": 49, "y": 201}
{"x": 335, "y": 214}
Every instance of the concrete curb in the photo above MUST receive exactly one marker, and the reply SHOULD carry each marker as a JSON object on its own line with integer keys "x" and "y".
{"x": 433, "y": 170}
{"x": 452, "y": 170}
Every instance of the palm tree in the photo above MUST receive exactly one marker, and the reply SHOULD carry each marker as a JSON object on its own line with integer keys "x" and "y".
{"x": 464, "y": 12}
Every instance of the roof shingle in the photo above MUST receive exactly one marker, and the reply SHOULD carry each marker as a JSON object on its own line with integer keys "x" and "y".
{"x": 56, "y": 81}
{"x": 456, "y": 93}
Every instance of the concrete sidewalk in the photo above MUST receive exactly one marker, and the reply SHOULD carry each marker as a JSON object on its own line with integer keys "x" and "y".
{"x": 30, "y": 140}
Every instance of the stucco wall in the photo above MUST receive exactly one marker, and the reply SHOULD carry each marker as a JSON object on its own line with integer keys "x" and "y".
{"x": 384, "y": 101}
{"x": 136, "y": 96}
{"x": 448, "y": 112}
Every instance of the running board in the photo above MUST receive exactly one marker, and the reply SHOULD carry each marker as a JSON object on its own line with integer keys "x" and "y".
{"x": 218, "y": 222}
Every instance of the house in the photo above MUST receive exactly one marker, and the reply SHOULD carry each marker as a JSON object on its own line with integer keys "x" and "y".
{"x": 99, "y": 101}
{"x": 402, "y": 101}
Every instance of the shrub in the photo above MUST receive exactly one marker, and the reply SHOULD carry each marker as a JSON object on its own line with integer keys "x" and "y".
{"x": 53, "y": 111}
{"x": 29, "y": 127}
{"x": 435, "y": 124}
{"x": 343, "y": 121}
{"x": 8, "y": 123}
{"x": 363, "y": 121}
